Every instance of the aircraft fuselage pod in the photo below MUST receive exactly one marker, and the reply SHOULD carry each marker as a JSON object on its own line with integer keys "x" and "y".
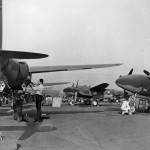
{"x": 82, "y": 91}
{"x": 136, "y": 83}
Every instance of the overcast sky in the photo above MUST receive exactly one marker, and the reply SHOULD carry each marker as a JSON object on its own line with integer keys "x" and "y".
{"x": 80, "y": 32}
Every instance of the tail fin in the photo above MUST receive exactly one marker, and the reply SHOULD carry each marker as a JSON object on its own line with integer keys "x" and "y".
{"x": 100, "y": 87}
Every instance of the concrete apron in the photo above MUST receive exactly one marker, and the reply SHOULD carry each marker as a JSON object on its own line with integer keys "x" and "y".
{"x": 7, "y": 144}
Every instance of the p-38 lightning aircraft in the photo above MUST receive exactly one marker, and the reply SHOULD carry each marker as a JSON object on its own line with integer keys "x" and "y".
{"x": 88, "y": 94}
{"x": 135, "y": 83}
{"x": 13, "y": 72}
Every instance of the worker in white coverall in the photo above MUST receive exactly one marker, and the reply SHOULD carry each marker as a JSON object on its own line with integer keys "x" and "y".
{"x": 125, "y": 107}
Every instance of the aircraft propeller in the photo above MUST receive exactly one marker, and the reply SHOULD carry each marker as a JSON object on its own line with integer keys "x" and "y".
{"x": 77, "y": 83}
{"x": 130, "y": 72}
{"x": 73, "y": 85}
{"x": 146, "y": 72}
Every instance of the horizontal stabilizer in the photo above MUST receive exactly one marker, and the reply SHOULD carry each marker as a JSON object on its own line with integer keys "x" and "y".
{"x": 100, "y": 87}
{"x": 40, "y": 69}
{"x": 21, "y": 55}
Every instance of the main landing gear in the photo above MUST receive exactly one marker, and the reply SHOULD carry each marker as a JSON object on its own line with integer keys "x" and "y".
{"x": 91, "y": 102}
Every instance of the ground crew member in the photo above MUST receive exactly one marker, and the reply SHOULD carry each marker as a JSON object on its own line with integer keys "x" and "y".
{"x": 17, "y": 103}
{"x": 125, "y": 106}
{"x": 39, "y": 97}
{"x": 18, "y": 106}
{"x": 132, "y": 104}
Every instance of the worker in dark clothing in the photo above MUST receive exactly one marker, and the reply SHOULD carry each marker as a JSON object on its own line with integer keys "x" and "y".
{"x": 17, "y": 101}
{"x": 18, "y": 106}
{"x": 39, "y": 97}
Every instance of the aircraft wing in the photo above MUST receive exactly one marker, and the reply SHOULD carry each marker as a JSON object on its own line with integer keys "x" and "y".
{"x": 100, "y": 87}
{"x": 40, "y": 69}
{"x": 55, "y": 83}
{"x": 21, "y": 55}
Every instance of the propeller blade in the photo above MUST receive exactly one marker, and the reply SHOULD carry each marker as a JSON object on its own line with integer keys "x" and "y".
{"x": 73, "y": 85}
{"x": 130, "y": 72}
{"x": 146, "y": 72}
{"x": 77, "y": 83}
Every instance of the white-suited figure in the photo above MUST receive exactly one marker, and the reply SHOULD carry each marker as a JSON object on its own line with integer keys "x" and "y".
{"x": 125, "y": 107}
{"x": 48, "y": 100}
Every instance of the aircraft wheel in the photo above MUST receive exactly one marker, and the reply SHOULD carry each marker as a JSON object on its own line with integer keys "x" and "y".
{"x": 71, "y": 103}
{"x": 94, "y": 103}
{"x": 87, "y": 102}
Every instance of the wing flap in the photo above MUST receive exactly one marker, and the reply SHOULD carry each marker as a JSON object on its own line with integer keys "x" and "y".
{"x": 40, "y": 69}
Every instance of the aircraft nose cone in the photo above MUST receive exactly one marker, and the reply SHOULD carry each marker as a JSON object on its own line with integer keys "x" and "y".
{"x": 121, "y": 82}
{"x": 126, "y": 81}
{"x": 130, "y": 83}
{"x": 66, "y": 90}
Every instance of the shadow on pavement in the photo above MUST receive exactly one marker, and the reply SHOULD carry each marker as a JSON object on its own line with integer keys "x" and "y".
{"x": 28, "y": 130}
{"x": 69, "y": 112}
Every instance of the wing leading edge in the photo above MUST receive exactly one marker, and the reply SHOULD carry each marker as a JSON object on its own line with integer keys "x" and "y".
{"x": 21, "y": 54}
{"x": 41, "y": 69}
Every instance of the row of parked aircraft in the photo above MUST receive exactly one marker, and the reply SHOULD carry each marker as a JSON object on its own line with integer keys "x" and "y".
{"x": 13, "y": 73}
{"x": 92, "y": 95}
{"x": 135, "y": 83}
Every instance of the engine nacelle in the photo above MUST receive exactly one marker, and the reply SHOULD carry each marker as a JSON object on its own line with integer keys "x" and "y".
{"x": 15, "y": 72}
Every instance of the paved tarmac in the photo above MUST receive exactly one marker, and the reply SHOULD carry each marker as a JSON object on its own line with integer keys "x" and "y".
{"x": 78, "y": 128}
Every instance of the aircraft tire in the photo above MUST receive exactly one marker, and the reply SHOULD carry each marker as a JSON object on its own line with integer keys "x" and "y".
{"x": 94, "y": 103}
